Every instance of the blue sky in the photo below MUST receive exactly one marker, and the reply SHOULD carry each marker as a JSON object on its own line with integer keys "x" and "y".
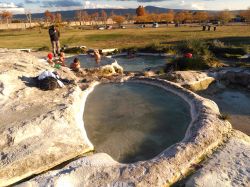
{"x": 19, "y": 6}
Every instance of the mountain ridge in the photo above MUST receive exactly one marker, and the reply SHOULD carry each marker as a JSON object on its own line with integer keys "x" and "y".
{"x": 70, "y": 14}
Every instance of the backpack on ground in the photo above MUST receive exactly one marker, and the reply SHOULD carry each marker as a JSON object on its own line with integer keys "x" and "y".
{"x": 48, "y": 83}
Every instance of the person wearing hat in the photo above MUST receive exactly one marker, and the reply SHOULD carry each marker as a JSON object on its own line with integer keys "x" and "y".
{"x": 54, "y": 38}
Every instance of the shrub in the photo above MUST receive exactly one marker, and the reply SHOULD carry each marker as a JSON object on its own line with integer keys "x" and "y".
{"x": 151, "y": 48}
{"x": 156, "y": 48}
{"x": 202, "y": 57}
{"x": 194, "y": 46}
{"x": 217, "y": 43}
{"x": 181, "y": 63}
{"x": 130, "y": 49}
{"x": 219, "y": 49}
{"x": 75, "y": 50}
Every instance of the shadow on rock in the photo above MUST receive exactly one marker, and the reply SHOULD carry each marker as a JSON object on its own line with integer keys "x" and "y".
{"x": 29, "y": 81}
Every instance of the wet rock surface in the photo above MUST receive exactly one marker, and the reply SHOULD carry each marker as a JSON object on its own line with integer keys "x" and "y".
{"x": 236, "y": 76}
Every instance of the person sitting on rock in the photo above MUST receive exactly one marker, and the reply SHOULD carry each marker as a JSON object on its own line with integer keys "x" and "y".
{"x": 50, "y": 59}
{"x": 61, "y": 59}
{"x": 75, "y": 65}
{"x": 97, "y": 56}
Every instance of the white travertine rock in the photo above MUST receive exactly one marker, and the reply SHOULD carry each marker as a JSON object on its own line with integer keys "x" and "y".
{"x": 205, "y": 132}
{"x": 38, "y": 129}
{"x": 193, "y": 80}
{"x": 41, "y": 129}
{"x": 111, "y": 69}
{"x": 228, "y": 166}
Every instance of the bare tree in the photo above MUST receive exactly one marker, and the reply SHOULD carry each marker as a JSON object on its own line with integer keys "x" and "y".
{"x": 129, "y": 17}
{"x": 104, "y": 17}
{"x": 79, "y": 16}
{"x": 85, "y": 16}
{"x": 29, "y": 17}
{"x": 94, "y": 17}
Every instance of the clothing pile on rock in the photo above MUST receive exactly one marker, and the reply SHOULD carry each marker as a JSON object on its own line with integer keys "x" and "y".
{"x": 48, "y": 80}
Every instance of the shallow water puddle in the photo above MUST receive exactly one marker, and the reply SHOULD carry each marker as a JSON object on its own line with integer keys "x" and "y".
{"x": 235, "y": 103}
{"x": 133, "y": 121}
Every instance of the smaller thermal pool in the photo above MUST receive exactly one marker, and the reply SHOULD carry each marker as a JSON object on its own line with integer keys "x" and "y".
{"x": 140, "y": 63}
{"x": 133, "y": 121}
{"x": 88, "y": 61}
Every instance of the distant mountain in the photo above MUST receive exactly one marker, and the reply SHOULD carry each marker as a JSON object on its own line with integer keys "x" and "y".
{"x": 70, "y": 14}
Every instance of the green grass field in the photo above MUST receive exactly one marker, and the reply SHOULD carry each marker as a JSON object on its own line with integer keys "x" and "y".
{"x": 119, "y": 38}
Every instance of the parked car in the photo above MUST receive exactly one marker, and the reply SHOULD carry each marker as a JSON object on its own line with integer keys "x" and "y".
{"x": 155, "y": 25}
{"x": 141, "y": 26}
{"x": 100, "y": 28}
{"x": 109, "y": 27}
{"x": 122, "y": 27}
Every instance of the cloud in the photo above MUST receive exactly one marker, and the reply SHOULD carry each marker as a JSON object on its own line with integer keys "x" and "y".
{"x": 91, "y": 5}
{"x": 8, "y": 5}
{"x": 61, "y": 3}
{"x": 145, "y": 1}
{"x": 11, "y": 7}
{"x": 149, "y": 1}
{"x": 198, "y": 6}
{"x": 32, "y": 1}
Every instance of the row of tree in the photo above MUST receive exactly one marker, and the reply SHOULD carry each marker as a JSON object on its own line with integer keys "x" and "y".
{"x": 83, "y": 17}
{"x": 168, "y": 17}
{"x": 246, "y": 15}
{"x": 141, "y": 16}
{"x": 189, "y": 16}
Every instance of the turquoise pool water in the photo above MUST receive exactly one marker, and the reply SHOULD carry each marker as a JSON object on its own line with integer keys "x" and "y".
{"x": 140, "y": 63}
{"x": 137, "y": 63}
{"x": 133, "y": 121}
{"x": 87, "y": 61}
